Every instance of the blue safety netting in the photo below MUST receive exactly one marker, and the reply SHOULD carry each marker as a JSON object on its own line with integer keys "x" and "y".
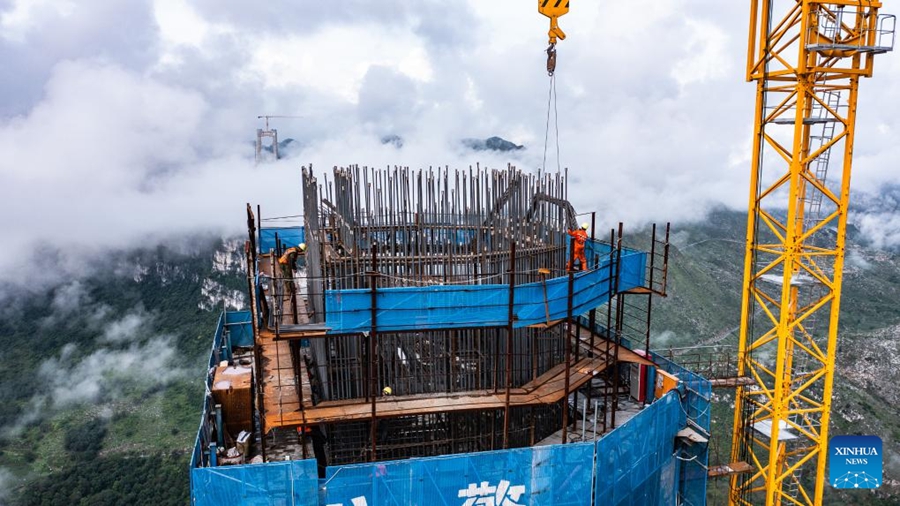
{"x": 290, "y": 483}
{"x": 288, "y": 236}
{"x": 636, "y": 462}
{"x": 547, "y": 475}
{"x": 220, "y": 350}
{"x": 696, "y": 403}
{"x": 461, "y": 306}
{"x": 240, "y": 328}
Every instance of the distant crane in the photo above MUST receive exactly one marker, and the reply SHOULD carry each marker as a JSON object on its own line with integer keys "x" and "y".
{"x": 267, "y": 132}
{"x": 806, "y": 66}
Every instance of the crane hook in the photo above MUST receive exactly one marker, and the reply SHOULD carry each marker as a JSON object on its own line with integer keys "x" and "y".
{"x": 553, "y": 11}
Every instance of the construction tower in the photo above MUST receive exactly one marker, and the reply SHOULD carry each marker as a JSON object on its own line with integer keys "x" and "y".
{"x": 806, "y": 58}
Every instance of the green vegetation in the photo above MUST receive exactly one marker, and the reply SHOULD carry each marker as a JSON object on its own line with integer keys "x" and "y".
{"x": 114, "y": 480}
{"x": 103, "y": 403}
{"x": 84, "y": 440}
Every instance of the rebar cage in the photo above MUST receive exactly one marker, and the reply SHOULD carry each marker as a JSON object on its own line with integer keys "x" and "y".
{"x": 433, "y": 226}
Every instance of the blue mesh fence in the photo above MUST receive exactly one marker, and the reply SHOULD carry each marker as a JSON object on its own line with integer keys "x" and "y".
{"x": 546, "y": 475}
{"x": 203, "y": 433}
{"x": 239, "y": 327}
{"x": 460, "y": 306}
{"x": 569, "y": 483}
{"x": 292, "y": 483}
{"x": 696, "y": 402}
{"x": 636, "y": 462}
{"x": 289, "y": 236}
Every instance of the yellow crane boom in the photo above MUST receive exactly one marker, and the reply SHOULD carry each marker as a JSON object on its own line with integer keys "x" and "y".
{"x": 806, "y": 58}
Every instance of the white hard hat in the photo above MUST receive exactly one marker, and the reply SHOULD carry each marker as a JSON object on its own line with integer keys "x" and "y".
{"x": 302, "y": 246}
{"x": 585, "y": 225}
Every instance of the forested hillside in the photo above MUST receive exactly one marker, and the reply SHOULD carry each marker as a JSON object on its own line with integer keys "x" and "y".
{"x": 103, "y": 375}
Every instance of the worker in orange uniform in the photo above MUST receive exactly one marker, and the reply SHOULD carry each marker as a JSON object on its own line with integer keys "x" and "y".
{"x": 581, "y": 237}
{"x": 287, "y": 262}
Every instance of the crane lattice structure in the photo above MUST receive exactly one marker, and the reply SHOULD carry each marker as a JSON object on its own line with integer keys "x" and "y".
{"x": 806, "y": 65}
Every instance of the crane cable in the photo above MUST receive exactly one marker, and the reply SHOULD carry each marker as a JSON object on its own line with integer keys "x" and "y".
{"x": 553, "y": 11}
{"x": 551, "y": 105}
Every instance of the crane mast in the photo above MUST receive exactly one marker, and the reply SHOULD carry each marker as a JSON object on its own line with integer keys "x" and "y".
{"x": 806, "y": 58}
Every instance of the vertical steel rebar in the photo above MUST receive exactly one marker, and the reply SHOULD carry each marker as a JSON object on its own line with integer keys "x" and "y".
{"x": 373, "y": 381}
{"x": 509, "y": 340}
{"x": 650, "y": 288}
{"x": 433, "y": 228}
{"x": 259, "y": 225}
{"x": 618, "y": 333}
{"x": 257, "y": 351}
{"x": 568, "y": 341}
{"x": 584, "y": 405}
{"x": 609, "y": 336}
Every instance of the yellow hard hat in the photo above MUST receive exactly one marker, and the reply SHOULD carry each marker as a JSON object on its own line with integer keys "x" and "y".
{"x": 584, "y": 225}
{"x": 302, "y": 246}
{"x": 387, "y": 391}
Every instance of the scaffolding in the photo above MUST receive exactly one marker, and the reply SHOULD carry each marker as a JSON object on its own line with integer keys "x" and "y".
{"x": 431, "y": 343}
{"x": 642, "y": 461}
{"x": 448, "y": 288}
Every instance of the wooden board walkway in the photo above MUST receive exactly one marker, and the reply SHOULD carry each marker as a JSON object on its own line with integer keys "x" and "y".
{"x": 280, "y": 377}
{"x": 546, "y": 389}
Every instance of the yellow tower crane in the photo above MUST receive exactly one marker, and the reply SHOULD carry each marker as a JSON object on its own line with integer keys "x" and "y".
{"x": 806, "y": 58}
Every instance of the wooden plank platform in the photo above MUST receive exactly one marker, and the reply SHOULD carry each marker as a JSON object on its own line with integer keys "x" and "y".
{"x": 546, "y": 389}
{"x": 281, "y": 396}
{"x": 279, "y": 382}
{"x": 737, "y": 381}
{"x": 729, "y": 469}
{"x": 606, "y": 348}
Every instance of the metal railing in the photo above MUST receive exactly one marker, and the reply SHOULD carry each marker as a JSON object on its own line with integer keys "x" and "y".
{"x": 847, "y": 28}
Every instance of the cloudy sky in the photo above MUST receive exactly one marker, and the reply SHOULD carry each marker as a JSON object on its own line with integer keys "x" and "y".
{"x": 129, "y": 122}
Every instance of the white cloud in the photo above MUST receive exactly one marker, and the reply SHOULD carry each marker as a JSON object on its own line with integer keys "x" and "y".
{"x": 881, "y": 229}
{"x": 136, "y": 139}
{"x": 335, "y": 59}
{"x": 68, "y": 299}
{"x": 98, "y": 376}
{"x": 102, "y": 125}
{"x": 179, "y": 23}
{"x": 705, "y": 58}
{"x": 24, "y": 16}
{"x": 125, "y": 328}
{"x": 856, "y": 259}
